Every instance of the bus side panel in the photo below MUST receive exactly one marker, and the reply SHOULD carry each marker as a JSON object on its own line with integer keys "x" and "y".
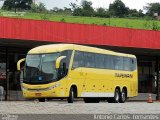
{"x": 98, "y": 83}
{"x": 107, "y": 82}
{"x": 76, "y": 77}
{"x": 90, "y": 83}
{"x": 134, "y": 84}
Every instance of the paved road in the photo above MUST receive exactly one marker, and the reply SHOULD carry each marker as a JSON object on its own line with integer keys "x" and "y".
{"x": 61, "y": 110}
{"x": 79, "y": 107}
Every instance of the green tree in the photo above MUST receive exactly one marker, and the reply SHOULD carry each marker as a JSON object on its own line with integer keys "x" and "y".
{"x": 42, "y": 7}
{"x": 20, "y": 4}
{"x": 67, "y": 11}
{"x": 73, "y": 6}
{"x": 38, "y": 7}
{"x": 34, "y": 8}
{"x": 118, "y": 9}
{"x": 77, "y": 12}
{"x": 133, "y": 13}
{"x": 101, "y": 12}
{"x": 85, "y": 9}
{"x": 152, "y": 8}
{"x": 141, "y": 14}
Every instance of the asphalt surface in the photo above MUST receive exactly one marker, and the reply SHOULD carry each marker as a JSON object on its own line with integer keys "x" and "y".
{"x": 60, "y": 109}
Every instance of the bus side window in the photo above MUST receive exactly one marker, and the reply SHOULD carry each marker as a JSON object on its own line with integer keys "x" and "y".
{"x": 90, "y": 60}
{"x": 99, "y": 60}
{"x": 133, "y": 64}
{"x": 109, "y": 63}
{"x": 118, "y": 62}
{"x": 127, "y": 65}
{"x": 66, "y": 61}
{"x": 78, "y": 60}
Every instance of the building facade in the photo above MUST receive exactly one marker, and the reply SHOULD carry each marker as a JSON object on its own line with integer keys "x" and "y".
{"x": 17, "y": 36}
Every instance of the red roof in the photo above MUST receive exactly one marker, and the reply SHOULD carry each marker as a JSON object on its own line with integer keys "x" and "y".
{"x": 37, "y": 30}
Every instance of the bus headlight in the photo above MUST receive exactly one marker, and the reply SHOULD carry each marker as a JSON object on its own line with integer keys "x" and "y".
{"x": 54, "y": 86}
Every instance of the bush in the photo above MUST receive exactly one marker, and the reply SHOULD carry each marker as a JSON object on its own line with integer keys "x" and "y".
{"x": 155, "y": 26}
{"x": 45, "y": 16}
{"x": 62, "y": 20}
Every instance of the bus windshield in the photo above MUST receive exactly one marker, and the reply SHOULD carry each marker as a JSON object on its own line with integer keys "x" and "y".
{"x": 40, "y": 68}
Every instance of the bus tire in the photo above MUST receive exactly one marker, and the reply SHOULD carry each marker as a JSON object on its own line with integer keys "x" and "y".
{"x": 123, "y": 96}
{"x": 41, "y": 99}
{"x": 116, "y": 98}
{"x": 70, "y": 99}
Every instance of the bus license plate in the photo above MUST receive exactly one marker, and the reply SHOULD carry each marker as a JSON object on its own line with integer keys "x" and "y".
{"x": 38, "y": 94}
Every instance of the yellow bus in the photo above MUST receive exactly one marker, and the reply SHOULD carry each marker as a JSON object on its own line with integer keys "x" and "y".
{"x": 75, "y": 71}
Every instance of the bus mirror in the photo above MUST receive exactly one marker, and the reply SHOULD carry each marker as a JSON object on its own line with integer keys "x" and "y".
{"x": 19, "y": 64}
{"x": 58, "y": 61}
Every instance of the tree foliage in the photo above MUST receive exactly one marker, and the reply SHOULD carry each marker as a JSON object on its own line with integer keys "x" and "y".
{"x": 118, "y": 9}
{"x": 135, "y": 13}
{"x": 85, "y": 9}
{"x": 65, "y": 11}
{"x": 101, "y": 12}
{"x": 20, "y": 4}
{"x": 38, "y": 7}
{"x": 152, "y": 8}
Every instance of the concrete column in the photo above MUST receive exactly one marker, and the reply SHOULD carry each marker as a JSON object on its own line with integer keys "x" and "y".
{"x": 158, "y": 80}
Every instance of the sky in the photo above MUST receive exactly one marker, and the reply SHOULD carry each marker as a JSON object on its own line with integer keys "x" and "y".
{"x": 133, "y": 4}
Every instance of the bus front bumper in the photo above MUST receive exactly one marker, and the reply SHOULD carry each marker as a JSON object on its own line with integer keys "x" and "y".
{"x": 43, "y": 94}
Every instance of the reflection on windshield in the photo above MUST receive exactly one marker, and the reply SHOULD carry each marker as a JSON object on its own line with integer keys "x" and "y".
{"x": 48, "y": 65}
{"x": 41, "y": 68}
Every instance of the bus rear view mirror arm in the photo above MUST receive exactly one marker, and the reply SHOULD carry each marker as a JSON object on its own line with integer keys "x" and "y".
{"x": 58, "y": 61}
{"x": 19, "y": 64}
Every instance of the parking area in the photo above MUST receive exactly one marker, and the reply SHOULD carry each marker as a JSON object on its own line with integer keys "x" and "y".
{"x": 78, "y": 107}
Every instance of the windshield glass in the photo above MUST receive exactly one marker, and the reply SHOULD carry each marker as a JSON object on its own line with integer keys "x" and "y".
{"x": 41, "y": 68}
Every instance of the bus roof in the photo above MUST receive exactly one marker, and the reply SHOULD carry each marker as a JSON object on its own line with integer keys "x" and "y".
{"x": 61, "y": 47}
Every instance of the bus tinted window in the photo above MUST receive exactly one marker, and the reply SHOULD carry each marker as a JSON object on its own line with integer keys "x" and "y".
{"x": 118, "y": 63}
{"x": 127, "y": 63}
{"x": 89, "y": 60}
{"x": 109, "y": 62}
{"x": 99, "y": 60}
{"x": 68, "y": 54}
{"x": 133, "y": 64}
{"x": 78, "y": 59}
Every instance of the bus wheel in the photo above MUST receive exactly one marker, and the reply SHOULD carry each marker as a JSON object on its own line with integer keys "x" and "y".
{"x": 41, "y": 99}
{"x": 71, "y": 96}
{"x": 123, "y": 96}
{"x": 116, "y": 96}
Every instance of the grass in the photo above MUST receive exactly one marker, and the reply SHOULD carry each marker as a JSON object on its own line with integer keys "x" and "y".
{"x": 118, "y": 22}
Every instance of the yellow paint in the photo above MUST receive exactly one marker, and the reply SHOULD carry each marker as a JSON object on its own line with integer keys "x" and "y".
{"x": 58, "y": 61}
{"x": 19, "y": 64}
{"x": 87, "y": 80}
